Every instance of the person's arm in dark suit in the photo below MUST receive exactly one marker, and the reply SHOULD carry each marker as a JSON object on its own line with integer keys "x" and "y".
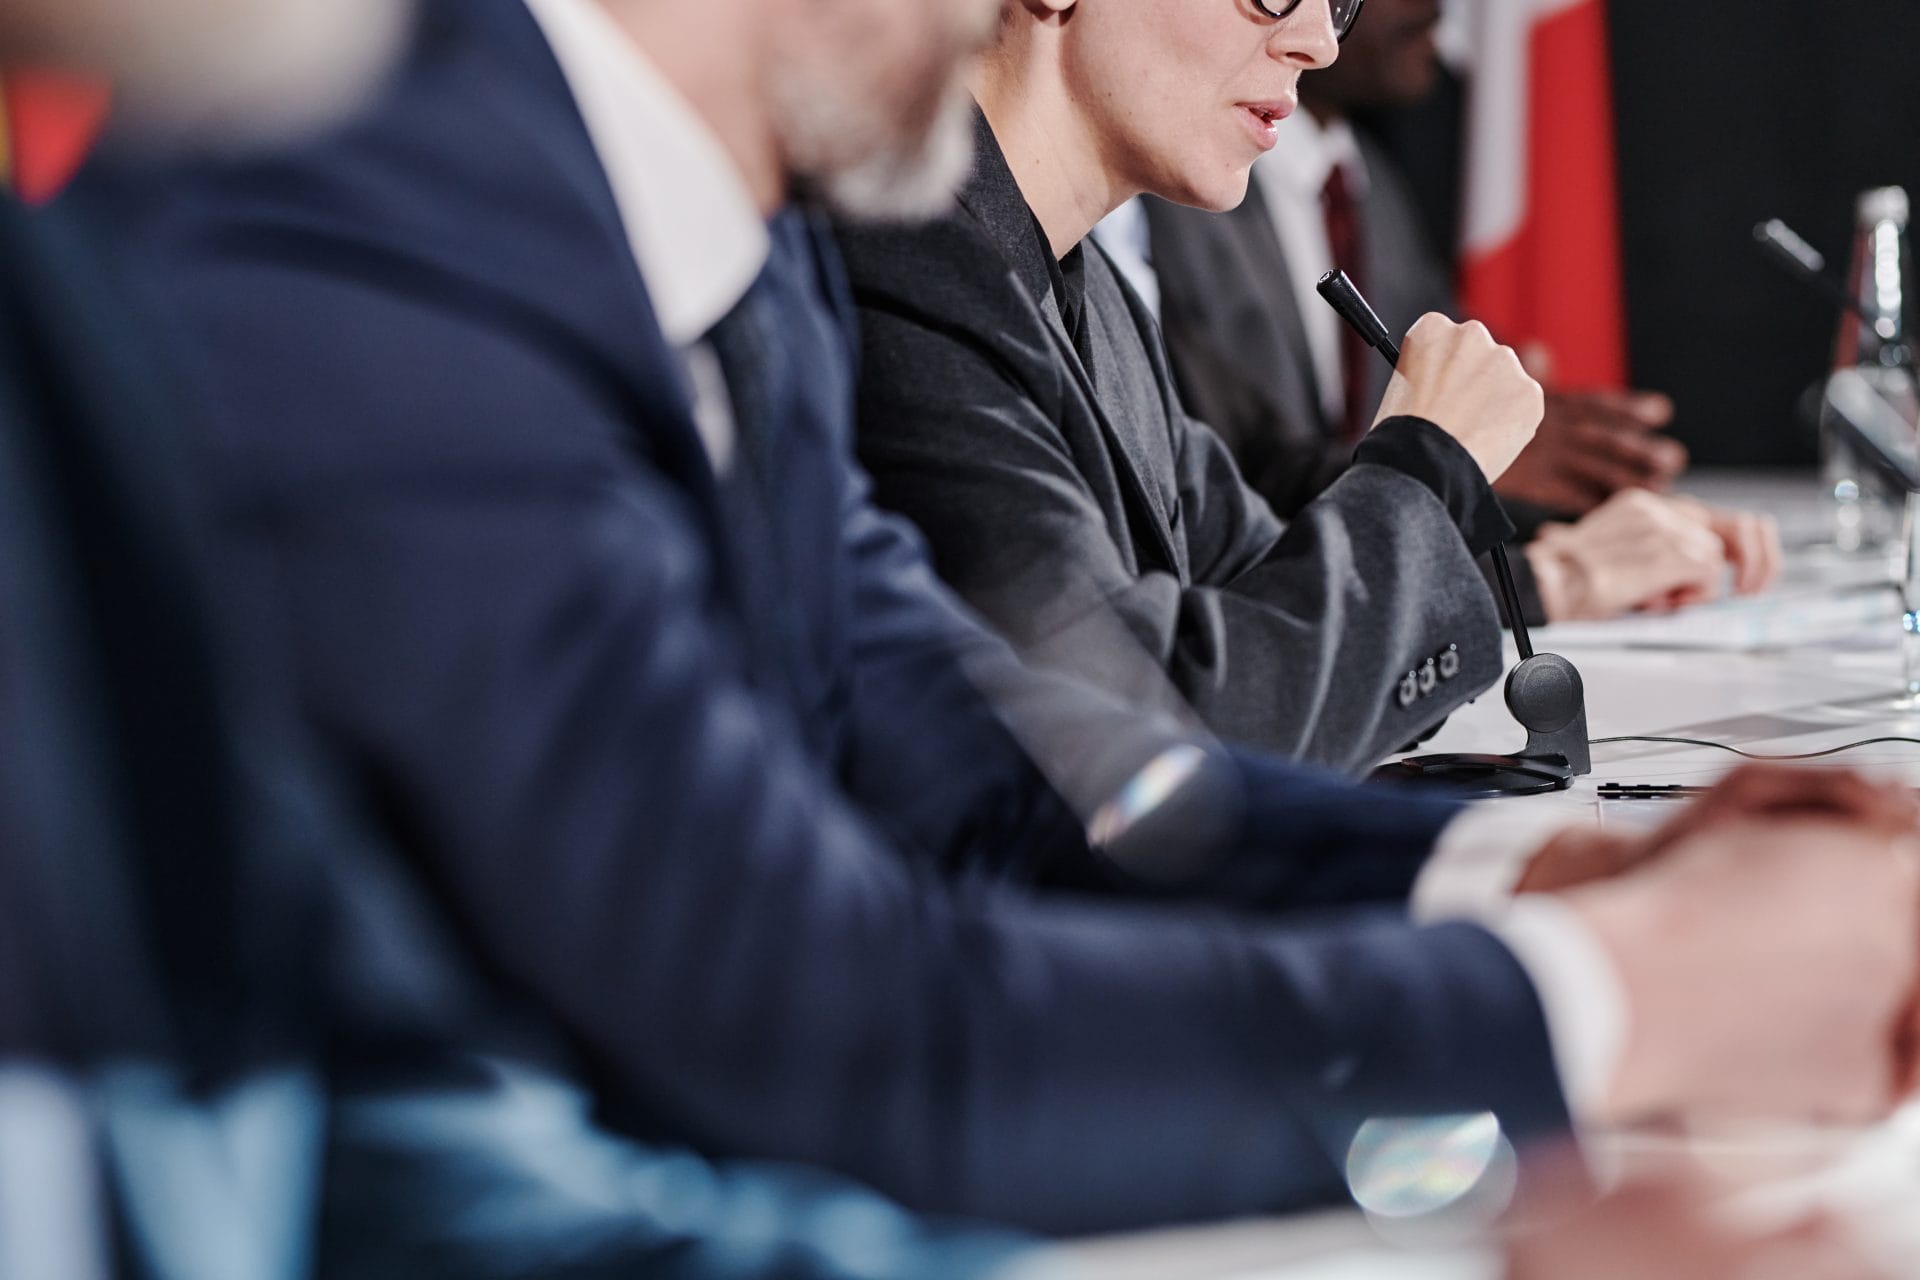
{"x": 509, "y": 617}
{"x": 1405, "y": 446}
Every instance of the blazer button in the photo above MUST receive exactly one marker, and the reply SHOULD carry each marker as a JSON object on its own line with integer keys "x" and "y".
{"x": 1410, "y": 689}
{"x": 1429, "y": 678}
{"x": 1450, "y": 662}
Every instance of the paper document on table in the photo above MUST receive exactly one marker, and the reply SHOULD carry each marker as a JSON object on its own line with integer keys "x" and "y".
{"x": 1775, "y": 621}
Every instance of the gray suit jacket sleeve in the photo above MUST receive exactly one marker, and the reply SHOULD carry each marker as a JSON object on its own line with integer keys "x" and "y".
{"x": 1237, "y": 343}
{"x": 1299, "y": 639}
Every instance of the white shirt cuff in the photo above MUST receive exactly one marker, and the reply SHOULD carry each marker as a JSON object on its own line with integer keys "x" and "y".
{"x": 1479, "y": 859}
{"x": 1580, "y": 991}
{"x": 1476, "y": 864}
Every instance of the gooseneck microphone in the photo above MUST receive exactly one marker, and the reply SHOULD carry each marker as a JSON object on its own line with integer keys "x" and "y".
{"x": 1544, "y": 692}
{"x": 1781, "y": 245}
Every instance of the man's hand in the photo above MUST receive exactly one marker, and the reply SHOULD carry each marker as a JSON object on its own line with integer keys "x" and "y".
{"x": 1753, "y": 793}
{"x": 1642, "y": 550}
{"x": 1457, "y": 377}
{"x": 1591, "y": 446}
{"x": 1770, "y": 967}
{"x": 1670, "y": 1232}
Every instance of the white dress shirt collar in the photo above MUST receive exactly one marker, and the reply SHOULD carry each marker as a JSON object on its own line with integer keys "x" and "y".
{"x": 695, "y": 231}
{"x": 1306, "y": 156}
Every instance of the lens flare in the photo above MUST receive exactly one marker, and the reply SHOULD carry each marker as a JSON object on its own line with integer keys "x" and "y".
{"x": 1150, "y": 788}
{"x": 1403, "y": 1170}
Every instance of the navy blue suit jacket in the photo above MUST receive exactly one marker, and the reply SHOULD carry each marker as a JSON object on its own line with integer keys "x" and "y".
{"x": 830, "y": 912}
{"x": 210, "y": 997}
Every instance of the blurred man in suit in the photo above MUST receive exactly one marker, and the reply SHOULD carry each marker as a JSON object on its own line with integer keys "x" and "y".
{"x": 1259, "y": 356}
{"x": 532, "y": 393}
{"x": 234, "y": 1031}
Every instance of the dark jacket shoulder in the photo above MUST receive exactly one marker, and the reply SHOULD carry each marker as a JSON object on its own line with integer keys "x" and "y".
{"x": 958, "y": 276}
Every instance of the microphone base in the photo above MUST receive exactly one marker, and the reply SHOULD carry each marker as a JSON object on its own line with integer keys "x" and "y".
{"x": 1477, "y": 777}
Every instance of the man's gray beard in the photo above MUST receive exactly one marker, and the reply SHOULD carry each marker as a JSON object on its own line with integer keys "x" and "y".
{"x": 243, "y": 72}
{"x": 897, "y": 181}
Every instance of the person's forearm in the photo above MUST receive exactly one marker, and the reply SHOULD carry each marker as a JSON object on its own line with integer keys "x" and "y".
{"x": 1431, "y": 456}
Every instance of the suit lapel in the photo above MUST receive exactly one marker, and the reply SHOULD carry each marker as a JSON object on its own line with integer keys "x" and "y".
{"x": 1395, "y": 235}
{"x": 1269, "y": 276}
{"x": 1130, "y": 462}
{"x": 534, "y": 105}
{"x": 993, "y": 199}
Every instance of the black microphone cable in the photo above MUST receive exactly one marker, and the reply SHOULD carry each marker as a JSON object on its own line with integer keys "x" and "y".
{"x": 1750, "y": 755}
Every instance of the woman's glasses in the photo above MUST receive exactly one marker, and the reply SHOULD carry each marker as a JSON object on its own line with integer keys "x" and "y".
{"x": 1345, "y": 12}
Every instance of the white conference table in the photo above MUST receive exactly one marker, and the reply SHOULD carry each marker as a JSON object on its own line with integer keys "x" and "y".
{"x": 1817, "y": 665}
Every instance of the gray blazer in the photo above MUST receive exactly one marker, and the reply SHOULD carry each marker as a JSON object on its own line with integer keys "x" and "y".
{"x": 1069, "y": 497}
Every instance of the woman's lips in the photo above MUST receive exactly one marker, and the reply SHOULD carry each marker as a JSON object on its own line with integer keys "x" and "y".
{"x": 1263, "y": 120}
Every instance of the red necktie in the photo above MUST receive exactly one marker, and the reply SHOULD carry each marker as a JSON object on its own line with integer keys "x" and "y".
{"x": 1345, "y": 239}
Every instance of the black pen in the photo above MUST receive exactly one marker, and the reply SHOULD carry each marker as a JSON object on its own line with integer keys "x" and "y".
{"x": 1653, "y": 791}
{"x": 1649, "y": 791}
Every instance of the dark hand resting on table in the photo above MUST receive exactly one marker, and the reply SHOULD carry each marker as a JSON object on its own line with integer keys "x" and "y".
{"x": 1592, "y": 444}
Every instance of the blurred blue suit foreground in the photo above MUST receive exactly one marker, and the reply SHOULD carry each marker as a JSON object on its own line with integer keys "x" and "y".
{"x": 221, "y": 1006}
{"x": 711, "y": 767}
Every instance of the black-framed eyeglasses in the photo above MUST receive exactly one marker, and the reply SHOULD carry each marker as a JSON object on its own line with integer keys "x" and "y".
{"x": 1345, "y": 12}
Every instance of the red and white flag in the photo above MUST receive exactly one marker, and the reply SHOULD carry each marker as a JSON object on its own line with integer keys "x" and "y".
{"x": 1540, "y": 221}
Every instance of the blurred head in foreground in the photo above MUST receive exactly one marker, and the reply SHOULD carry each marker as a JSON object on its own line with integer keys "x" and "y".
{"x": 855, "y": 102}
{"x": 198, "y": 71}
{"x": 864, "y": 103}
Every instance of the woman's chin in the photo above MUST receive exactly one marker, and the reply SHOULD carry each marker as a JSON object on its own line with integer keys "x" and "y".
{"x": 1216, "y": 192}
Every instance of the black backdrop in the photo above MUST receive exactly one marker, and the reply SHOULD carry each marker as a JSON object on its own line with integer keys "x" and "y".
{"x": 1730, "y": 112}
